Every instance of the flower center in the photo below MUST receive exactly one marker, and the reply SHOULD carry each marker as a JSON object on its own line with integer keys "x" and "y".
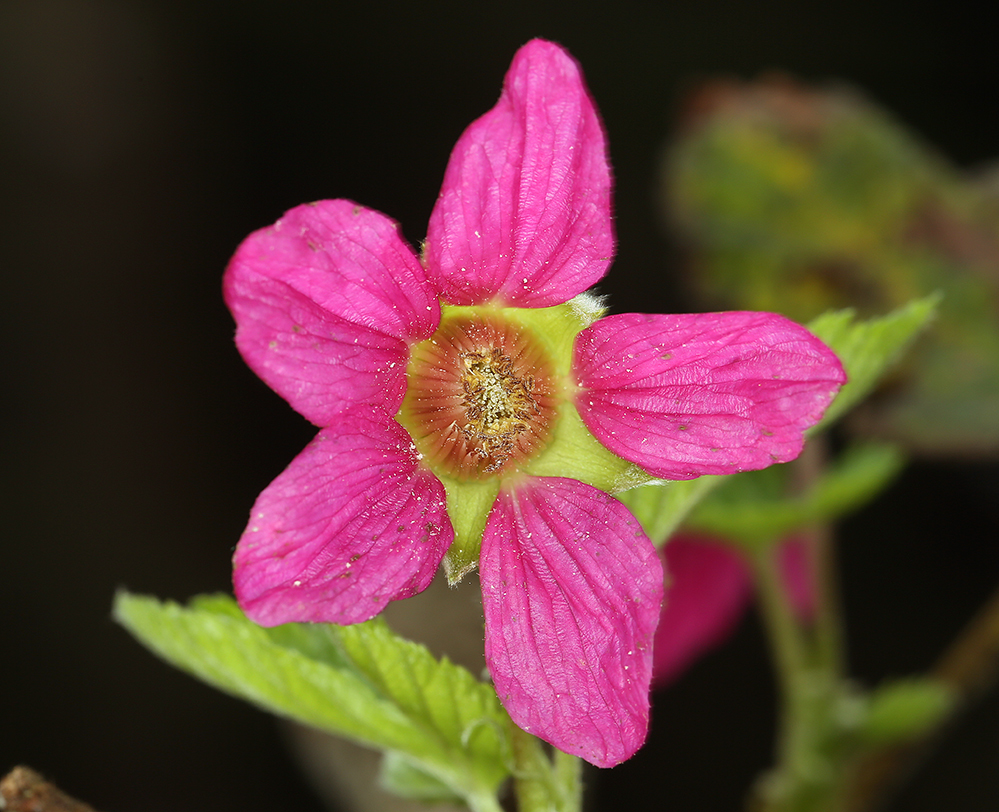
{"x": 479, "y": 397}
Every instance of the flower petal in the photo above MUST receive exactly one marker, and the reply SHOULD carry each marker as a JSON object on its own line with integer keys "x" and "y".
{"x": 350, "y": 525}
{"x": 708, "y": 587}
{"x": 320, "y": 363}
{"x": 571, "y": 589}
{"x": 350, "y": 261}
{"x": 524, "y": 213}
{"x": 709, "y": 393}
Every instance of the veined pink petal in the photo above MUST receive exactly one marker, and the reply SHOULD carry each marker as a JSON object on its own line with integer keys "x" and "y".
{"x": 320, "y": 363}
{"x": 350, "y": 525}
{"x": 707, "y": 588}
{"x": 571, "y": 589}
{"x": 709, "y": 393}
{"x": 524, "y": 214}
{"x": 349, "y": 260}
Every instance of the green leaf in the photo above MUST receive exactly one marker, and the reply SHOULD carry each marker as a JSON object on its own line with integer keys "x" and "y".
{"x": 905, "y": 709}
{"x": 401, "y": 777}
{"x": 662, "y": 506}
{"x": 868, "y": 348}
{"x": 755, "y": 508}
{"x": 948, "y": 400}
{"x": 363, "y": 682}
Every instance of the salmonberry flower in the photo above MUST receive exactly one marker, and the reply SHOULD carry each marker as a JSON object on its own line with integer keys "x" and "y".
{"x": 475, "y": 410}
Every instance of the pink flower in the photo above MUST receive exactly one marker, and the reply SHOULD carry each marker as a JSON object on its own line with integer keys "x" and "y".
{"x": 709, "y": 588}
{"x": 469, "y": 399}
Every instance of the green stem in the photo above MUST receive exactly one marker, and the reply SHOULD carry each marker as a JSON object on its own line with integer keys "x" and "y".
{"x": 786, "y": 640}
{"x": 569, "y": 775}
{"x": 829, "y": 647}
{"x": 781, "y": 786}
{"x": 531, "y": 773}
{"x": 486, "y": 802}
{"x": 538, "y": 784}
{"x": 828, "y": 621}
{"x": 787, "y": 646}
{"x": 812, "y": 769}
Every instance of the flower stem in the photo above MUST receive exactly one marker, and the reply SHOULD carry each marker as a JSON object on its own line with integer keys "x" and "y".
{"x": 828, "y": 620}
{"x": 828, "y": 615}
{"x": 569, "y": 775}
{"x": 531, "y": 771}
{"x": 486, "y": 802}
{"x": 540, "y": 785}
{"x": 787, "y": 644}
{"x": 811, "y": 774}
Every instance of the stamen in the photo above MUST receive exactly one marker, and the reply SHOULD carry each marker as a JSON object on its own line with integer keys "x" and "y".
{"x": 479, "y": 397}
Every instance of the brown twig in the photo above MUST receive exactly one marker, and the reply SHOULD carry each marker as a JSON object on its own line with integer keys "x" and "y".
{"x": 24, "y": 790}
{"x": 970, "y": 667}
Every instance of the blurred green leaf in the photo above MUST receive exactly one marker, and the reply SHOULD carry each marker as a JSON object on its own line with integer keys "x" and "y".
{"x": 362, "y": 682}
{"x": 867, "y": 349}
{"x": 755, "y": 508}
{"x": 661, "y": 507}
{"x": 401, "y": 777}
{"x": 905, "y": 709}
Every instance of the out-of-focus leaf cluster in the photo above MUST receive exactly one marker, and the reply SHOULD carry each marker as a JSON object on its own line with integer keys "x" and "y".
{"x": 799, "y": 201}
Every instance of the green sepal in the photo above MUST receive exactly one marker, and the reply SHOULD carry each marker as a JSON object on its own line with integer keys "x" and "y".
{"x": 572, "y": 450}
{"x": 468, "y": 506}
{"x": 757, "y": 508}
{"x": 575, "y": 453}
{"x": 557, "y": 327}
{"x": 868, "y": 348}
{"x": 362, "y": 682}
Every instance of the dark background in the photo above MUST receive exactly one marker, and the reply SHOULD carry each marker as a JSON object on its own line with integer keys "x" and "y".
{"x": 141, "y": 141}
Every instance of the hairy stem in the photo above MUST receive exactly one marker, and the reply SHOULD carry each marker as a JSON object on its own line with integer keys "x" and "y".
{"x": 484, "y": 803}
{"x": 540, "y": 785}
{"x": 569, "y": 775}
{"x": 813, "y": 769}
{"x": 823, "y": 572}
{"x": 787, "y": 647}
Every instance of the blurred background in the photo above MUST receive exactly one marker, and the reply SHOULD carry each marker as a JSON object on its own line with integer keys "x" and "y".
{"x": 141, "y": 140}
